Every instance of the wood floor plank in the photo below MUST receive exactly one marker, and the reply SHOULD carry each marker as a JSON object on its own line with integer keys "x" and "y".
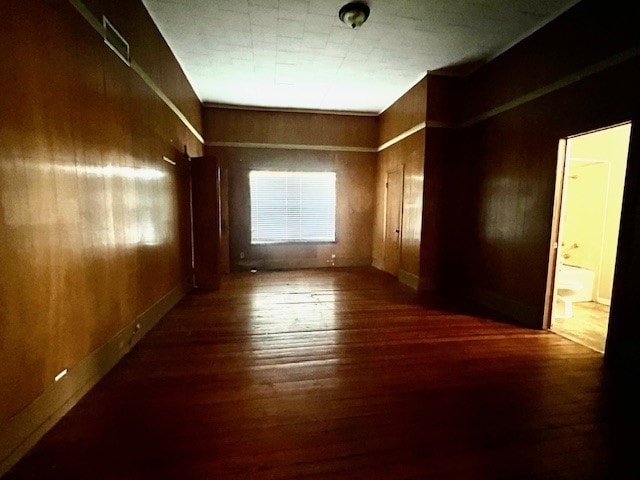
{"x": 343, "y": 374}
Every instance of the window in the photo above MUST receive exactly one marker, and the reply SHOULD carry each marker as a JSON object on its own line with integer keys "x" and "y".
{"x": 292, "y": 206}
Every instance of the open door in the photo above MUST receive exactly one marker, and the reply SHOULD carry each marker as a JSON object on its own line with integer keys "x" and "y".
{"x": 206, "y": 221}
{"x": 590, "y": 186}
{"x": 393, "y": 222}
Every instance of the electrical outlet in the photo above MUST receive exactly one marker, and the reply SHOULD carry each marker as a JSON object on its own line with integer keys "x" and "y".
{"x": 241, "y": 254}
{"x": 60, "y": 375}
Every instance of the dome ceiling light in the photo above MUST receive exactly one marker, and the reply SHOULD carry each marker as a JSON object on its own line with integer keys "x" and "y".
{"x": 354, "y": 14}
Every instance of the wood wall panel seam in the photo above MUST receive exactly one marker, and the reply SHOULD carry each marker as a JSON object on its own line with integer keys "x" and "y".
{"x": 97, "y": 26}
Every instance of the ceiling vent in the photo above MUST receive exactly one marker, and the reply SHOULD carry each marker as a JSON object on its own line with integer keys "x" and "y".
{"x": 116, "y": 42}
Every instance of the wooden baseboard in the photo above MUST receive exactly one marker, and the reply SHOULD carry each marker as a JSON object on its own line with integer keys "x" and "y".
{"x": 409, "y": 279}
{"x": 296, "y": 263}
{"x": 377, "y": 263}
{"x": 421, "y": 284}
{"x": 20, "y": 433}
{"x": 428, "y": 284}
{"x": 519, "y": 312}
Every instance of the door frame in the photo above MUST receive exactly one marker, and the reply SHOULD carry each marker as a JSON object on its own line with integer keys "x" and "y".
{"x": 555, "y": 233}
{"x": 556, "y": 222}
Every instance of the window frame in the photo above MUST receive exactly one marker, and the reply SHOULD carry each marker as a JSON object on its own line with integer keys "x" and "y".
{"x": 293, "y": 242}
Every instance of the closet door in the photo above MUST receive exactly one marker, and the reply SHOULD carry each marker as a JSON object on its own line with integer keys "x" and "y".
{"x": 206, "y": 215}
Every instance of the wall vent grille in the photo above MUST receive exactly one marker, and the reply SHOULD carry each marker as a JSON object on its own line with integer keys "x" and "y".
{"x": 116, "y": 42}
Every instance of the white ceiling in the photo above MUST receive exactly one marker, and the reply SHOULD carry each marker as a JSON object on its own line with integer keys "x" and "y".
{"x": 297, "y": 53}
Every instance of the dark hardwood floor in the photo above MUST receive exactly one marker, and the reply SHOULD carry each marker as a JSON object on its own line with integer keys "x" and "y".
{"x": 343, "y": 374}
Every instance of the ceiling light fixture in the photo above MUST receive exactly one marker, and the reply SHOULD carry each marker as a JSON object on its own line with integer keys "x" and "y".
{"x": 354, "y": 14}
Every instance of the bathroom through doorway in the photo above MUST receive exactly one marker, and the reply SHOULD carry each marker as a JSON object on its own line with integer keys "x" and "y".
{"x": 591, "y": 176}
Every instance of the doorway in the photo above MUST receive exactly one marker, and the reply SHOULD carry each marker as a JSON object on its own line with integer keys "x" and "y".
{"x": 393, "y": 221}
{"x": 592, "y": 168}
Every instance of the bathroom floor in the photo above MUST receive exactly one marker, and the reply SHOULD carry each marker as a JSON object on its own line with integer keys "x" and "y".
{"x": 588, "y": 326}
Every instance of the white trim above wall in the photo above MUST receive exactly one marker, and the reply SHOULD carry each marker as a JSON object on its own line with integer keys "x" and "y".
{"x": 158, "y": 91}
{"x": 438, "y": 124}
{"x": 292, "y": 146}
{"x": 402, "y": 136}
{"x": 288, "y": 110}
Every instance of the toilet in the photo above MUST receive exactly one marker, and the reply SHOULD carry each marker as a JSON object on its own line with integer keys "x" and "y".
{"x": 573, "y": 284}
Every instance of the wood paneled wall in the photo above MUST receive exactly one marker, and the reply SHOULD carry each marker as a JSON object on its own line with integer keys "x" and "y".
{"x": 499, "y": 185}
{"x": 408, "y": 154}
{"x": 289, "y": 128}
{"x": 585, "y": 35}
{"x": 442, "y": 113}
{"x": 443, "y": 101}
{"x": 296, "y": 133}
{"x": 405, "y": 113}
{"x": 438, "y": 143}
{"x": 94, "y": 225}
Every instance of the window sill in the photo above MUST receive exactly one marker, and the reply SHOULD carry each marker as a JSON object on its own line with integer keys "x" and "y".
{"x": 298, "y": 242}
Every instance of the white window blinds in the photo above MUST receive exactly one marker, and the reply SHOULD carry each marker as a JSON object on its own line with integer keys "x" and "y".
{"x": 292, "y": 206}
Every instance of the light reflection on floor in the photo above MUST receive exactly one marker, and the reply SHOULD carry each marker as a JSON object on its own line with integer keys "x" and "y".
{"x": 292, "y": 331}
{"x": 588, "y": 325}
